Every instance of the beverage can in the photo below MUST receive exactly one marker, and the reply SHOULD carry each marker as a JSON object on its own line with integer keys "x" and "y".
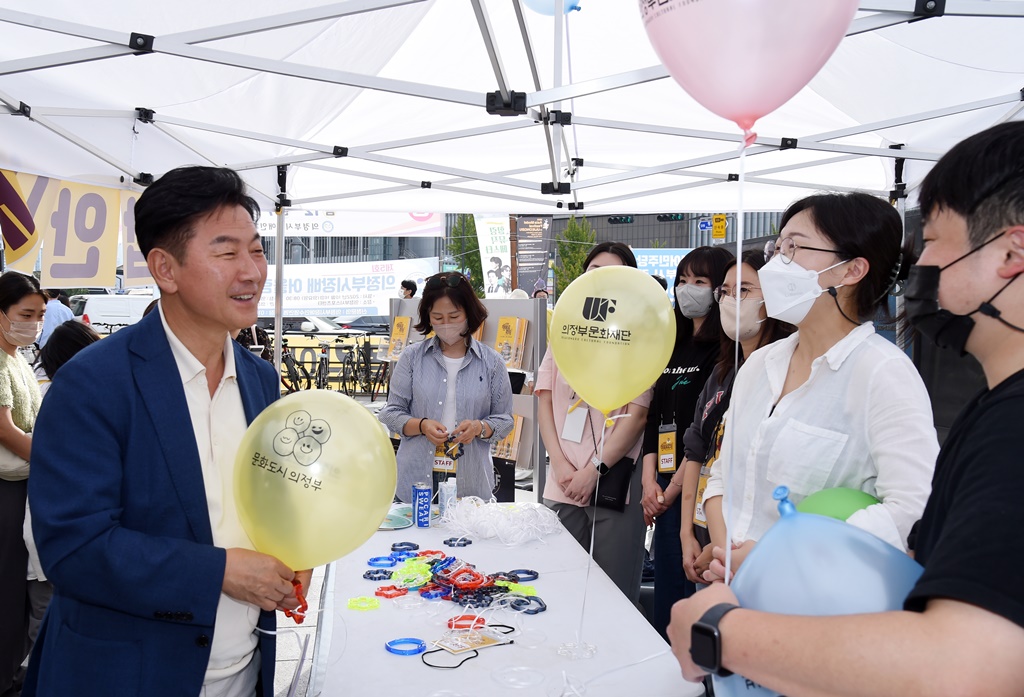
{"x": 422, "y": 493}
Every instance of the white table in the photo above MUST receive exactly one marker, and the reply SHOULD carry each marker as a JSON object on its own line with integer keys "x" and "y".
{"x": 350, "y": 657}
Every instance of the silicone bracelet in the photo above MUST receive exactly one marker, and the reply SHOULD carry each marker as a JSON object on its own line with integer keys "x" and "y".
{"x": 417, "y": 646}
{"x": 381, "y": 562}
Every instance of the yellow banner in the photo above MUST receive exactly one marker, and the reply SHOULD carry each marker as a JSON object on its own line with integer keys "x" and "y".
{"x": 81, "y": 237}
{"x": 22, "y": 196}
{"x": 136, "y": 273}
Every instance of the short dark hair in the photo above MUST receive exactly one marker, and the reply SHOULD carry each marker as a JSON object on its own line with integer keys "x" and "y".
{"x": 619, "y": 249}
{"x": 771, "y": 330}
{"x": 461, "y": 294}
{"x": 540, "y": 290}
{"x": 982, "y": 179}
{"x": 409, "y": 286}
{"x": 52, "y": 293}
{"x": 702, "y": 261}
{"x": 661, "y": 281}
{"x": 65, "y": 341}
{"x": 14, "y": 286}
{"x": 167, "y": 211}
{"x": 860, "y": 225}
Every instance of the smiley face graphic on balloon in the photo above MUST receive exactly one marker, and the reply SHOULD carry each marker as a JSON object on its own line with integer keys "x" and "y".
{"x": 302, "y": 438}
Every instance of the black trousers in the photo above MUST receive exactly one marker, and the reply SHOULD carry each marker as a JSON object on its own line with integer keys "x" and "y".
{"x": 14, "y": 608}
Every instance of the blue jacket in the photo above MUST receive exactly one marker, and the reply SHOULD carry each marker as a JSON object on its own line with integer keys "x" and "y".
{"x": 120, "y": 518}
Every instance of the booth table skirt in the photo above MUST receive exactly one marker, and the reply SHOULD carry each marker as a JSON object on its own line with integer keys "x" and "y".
{"x": 350, "y": 657}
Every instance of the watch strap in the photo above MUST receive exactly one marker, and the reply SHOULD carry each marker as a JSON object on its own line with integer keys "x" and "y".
{"x": 710, "y": 620}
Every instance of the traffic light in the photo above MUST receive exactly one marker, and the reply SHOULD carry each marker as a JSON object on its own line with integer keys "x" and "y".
{"x": 671, "y": 217}
{"x": 620, "y": 219}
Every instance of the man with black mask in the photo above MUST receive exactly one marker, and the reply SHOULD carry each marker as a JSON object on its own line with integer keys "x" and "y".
{"x": 962, "y": 628}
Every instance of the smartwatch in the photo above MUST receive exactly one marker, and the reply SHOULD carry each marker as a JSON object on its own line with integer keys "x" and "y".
{"x": 706, "y": 640}
{"x": 602, "y": 468}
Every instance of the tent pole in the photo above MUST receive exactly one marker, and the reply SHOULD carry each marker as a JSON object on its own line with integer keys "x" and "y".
{"x": 282, "y": 205}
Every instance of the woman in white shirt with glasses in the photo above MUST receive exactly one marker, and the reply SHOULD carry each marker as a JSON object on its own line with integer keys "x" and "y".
{"x": 833, "y": 405}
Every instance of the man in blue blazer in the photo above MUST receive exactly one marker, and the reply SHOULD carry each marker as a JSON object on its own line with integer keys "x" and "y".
{"x": 157, "y": 589}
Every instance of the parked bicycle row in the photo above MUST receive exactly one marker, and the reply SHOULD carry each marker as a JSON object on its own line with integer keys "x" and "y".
{"x": 347, "y": 368}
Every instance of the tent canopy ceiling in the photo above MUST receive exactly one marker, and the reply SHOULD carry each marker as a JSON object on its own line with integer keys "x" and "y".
{"x": 402, "y": 84}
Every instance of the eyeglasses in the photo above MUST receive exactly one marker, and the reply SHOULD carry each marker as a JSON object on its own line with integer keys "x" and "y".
{"x": 786, "y": 248}
{"x": 451, "y": 280}
{"x": 723, "y": 291}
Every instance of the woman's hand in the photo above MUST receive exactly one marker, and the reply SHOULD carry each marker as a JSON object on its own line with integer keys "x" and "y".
{"x": 691, "y": 551}
{"x": 716, "y": 571}
{"x": 652, "y": 500}
{"x": 582, "y": 486}
{"x": 468, "y": 430}
{"x": 562, "y": 471}
{"x": 434, "y": 431}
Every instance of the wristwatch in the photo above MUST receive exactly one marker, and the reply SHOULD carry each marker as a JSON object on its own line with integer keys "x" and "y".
{"x": 602, "y": 468}
{"x": 706, "y": 640}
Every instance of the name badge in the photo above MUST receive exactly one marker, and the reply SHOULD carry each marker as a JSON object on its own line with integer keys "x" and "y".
{"x": 575, "y": 421}
{"x": 667, "y": 449}
{"x": 443, "y": 461}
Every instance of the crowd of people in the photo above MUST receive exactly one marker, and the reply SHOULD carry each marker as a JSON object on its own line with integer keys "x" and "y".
{"x": 126, "y": 570}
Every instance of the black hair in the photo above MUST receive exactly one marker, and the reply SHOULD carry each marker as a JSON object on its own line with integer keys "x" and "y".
{"x": 619, "y": 249}
{"x": 540, "y": 290}
{"x": 410, "y": 286}
{"x": 712, "y": 263}
{"x": 981, "y": 179}
{"x": 52, "y": 293}
{"x": 661, "y": 280}
{"x": 14, "y": 286}
{"x": 461, "y": 295}
{"x": 865, "y": 226}
{"x": 167, "y": 211}
{"x": 65, "y": 341}
{"x": 771, "y": 329}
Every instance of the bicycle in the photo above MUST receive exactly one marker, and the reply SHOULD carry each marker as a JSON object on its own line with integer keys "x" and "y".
{"x": 294, "y": 375}
{"x": 322, "y": 377}
{"x": 356, "y": 373}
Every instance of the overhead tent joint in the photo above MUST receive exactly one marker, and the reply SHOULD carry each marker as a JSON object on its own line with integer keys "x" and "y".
{"x": 145, "y": 115}
{"x": 899, "y": 186}
{"x": 25, "y": 110}
{"x": 424, "y": 185}
{"x": 733, "y": 178}
{"x": 282, "y": 184}
{"x": 575, "y": 206}
{"x": 144, "y": 179}
{"x": 788, "y": 144}
{"x": 555, "y": 188}
{"x": 561, "y": 118}
{"x": 141, "y": 43}
{"x": 577, "y": 162}
{"x": 516, "y": 106}
{"x": 928, "y": 8}
{"x": 340, "y": 151}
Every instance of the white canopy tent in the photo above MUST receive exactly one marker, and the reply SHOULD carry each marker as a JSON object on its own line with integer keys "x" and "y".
{"x": 370, "y": 102}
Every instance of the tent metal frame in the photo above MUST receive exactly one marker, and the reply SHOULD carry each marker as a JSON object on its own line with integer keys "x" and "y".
{"x": 540, "y": 104}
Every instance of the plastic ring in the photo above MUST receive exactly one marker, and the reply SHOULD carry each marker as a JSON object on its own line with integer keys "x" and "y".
{"x": 417, "y": 646}
{"x": 404, "y": 547}
{"x": 381, "y": 562}
{"x": 525, "y": 574}
{"x": 466, "y": 622}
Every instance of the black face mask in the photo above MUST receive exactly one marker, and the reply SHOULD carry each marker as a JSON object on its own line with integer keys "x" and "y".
{"x": 946, "y": 329}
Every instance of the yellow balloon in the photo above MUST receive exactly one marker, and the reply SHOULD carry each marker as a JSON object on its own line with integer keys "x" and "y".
{"x": 314, "y": 477}
{"x": 612, "y": 334}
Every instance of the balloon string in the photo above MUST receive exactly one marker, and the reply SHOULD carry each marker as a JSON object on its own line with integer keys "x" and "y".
{"x": 727, "y": 508}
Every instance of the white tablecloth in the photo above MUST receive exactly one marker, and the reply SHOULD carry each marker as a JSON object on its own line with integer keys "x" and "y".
{"x": 350, "y": 657}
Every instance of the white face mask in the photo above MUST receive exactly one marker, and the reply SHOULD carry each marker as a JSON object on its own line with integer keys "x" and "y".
{"x": 789, "y": 289}
{"x": 693, "y": 300}
{"x": 450, "y": 334}
{"x": 750, "y": 317}
{"x": 22, "y": 333}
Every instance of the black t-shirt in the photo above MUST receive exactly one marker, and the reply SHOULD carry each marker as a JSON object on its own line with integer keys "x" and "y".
{"x": 971, "y": 536}
{"x": 677, "y": 390}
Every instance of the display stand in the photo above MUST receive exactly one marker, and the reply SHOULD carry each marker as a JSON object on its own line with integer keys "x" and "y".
{"x": 530, "y": 446}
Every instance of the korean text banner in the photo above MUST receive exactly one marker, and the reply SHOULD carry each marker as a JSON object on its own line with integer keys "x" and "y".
{"x": 302, "y": 223}
{"x": 76, "y": 225}
{"x": 660, "y": 262}
{"x": 495, "y": 254}
{"x": 349, "y": 290}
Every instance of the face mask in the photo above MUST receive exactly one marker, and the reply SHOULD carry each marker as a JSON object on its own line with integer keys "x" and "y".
{"x": 750, "y": 317}
{"x": 789, "y": 289}
{"x": 450, "y": 334}
{"x": 22, "y": 333}
{"x": 693, "y": 300}
{"x": 946, "y": 329}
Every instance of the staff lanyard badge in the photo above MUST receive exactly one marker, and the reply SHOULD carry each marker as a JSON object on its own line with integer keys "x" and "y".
{"x": 446, "y": 454}
{"x": 575, "y": 422}
{"x": 667, "y": 449}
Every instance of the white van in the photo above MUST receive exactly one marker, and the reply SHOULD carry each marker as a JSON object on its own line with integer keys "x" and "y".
{"x": 108, "y": 313}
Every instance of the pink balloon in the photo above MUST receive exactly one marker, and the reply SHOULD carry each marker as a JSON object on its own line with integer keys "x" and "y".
{"x": 743, "y": 59}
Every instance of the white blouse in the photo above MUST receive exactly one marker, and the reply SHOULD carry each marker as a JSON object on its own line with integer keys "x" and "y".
{"x": 862, "y": 420}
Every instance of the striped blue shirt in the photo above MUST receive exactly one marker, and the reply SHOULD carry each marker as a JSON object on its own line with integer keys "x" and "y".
{"x": 418, "y": 390}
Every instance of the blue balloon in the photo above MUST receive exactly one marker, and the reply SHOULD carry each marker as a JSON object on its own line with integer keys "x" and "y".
{"x": 808, "y": 564}
{"x": 547, "y": 7}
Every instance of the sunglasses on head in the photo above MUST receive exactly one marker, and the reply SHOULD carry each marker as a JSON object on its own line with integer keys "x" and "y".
{"x": 451, "y": 280}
